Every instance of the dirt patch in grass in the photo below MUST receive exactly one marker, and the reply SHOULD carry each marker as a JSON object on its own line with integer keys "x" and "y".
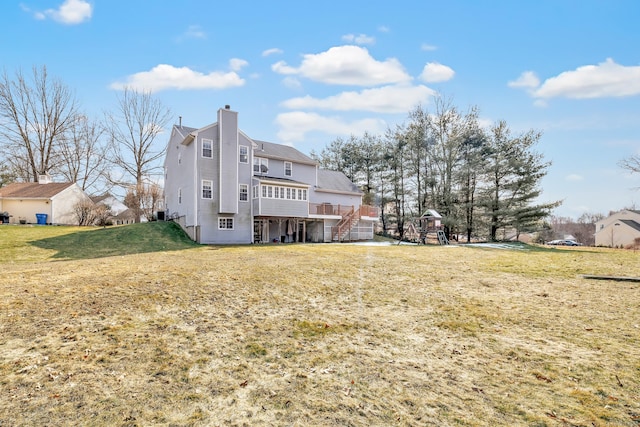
{"x": 321, "y": 335}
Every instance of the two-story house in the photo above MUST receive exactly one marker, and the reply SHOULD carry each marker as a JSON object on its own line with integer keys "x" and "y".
{"x": 222, "y": 186}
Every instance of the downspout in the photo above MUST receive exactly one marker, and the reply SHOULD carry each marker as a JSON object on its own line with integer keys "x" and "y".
{"x": 252, "y": 220}
{"x": 196, "y": 188}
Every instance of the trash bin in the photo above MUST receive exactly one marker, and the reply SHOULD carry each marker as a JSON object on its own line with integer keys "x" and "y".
{"x": 41, "y": 218}
{"x": 4, "y": 217}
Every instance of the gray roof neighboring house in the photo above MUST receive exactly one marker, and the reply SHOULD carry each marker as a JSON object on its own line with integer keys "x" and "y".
{"x": 336, "y": 181}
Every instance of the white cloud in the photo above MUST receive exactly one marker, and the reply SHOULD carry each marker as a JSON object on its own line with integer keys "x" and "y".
{"x": 428, "y": 47}
{"x": 606, "y": 79}
{"x": 434, "y": 72}
{"x": 387, "y": 99}
{"x": 163, "y": 76}
{"x": 574, "y": 177}
{"x": 528, "y": 79}
{"x": 272, "y": 51}
{"x": 70, "y": 12}
{"x": 291, "y": 82}
{"x": 346, "y": 65}
{"x": 358, "y": 39}
{"x": 193, "y": 32}
{"x": 295, "y": 125}
{"x": 236, "y": 64}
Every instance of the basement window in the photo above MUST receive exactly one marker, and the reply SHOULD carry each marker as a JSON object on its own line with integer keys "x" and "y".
{"x": 225, "y": 223}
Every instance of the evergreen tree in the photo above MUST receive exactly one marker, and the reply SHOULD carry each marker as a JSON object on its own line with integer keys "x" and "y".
{"x": 513, "y": 173}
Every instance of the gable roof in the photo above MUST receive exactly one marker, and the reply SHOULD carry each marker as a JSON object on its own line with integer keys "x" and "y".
{"x": 282, "y": 152}
{"x": 335, "y": 181}
{"x": 33, "y": 190}
{"x": 631, "y": 223}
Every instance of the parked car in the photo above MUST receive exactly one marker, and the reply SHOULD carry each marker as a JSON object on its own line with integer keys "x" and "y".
{"x": 563, "y": 242}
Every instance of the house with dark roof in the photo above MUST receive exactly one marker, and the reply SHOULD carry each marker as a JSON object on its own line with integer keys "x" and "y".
{"x": 619, "y": 230}
{"x": 42, "y": 202}
{"x": 222, "y": 186}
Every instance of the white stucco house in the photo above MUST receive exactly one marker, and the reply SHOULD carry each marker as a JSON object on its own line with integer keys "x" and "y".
{"x": 223, "y": 186}
{"x": 619, "y": 230}
{"x": 29, "y": 201}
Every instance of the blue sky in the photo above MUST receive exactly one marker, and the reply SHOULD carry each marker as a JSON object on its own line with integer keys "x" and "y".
{"x": 304, "y": 73}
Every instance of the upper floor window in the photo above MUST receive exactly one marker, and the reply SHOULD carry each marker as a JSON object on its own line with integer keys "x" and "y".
{"x": 244, "y": 154}
{"x": 207, "y": 189}
{"x": 260, "y": 165}
{"x": 287, "y": 168}
{"x": 207, "y": 148}
{"x": 244, "y": 192}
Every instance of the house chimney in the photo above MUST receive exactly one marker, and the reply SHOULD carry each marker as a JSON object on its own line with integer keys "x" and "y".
{"x": 227, "y": 107}
{"x": 180, "y": 121}
{"x": 44, "y": 179}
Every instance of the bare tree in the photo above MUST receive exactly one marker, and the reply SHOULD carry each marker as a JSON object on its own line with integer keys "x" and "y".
{"x": 133, "y": 129}
{"x": 34, "y": 116}
{"x": 632, "y": 164}
{"x": 84, "y": 155}
{"x": 84, "y": 211}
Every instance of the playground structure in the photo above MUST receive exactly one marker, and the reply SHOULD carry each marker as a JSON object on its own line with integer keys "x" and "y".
{"x": 429, "y": 228}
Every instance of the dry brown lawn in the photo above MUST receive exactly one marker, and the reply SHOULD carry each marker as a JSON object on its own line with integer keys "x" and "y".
{"x": 321, "y": 335}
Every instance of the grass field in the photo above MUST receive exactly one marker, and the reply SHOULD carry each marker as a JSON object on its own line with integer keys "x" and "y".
{"x": 135, "y": 325}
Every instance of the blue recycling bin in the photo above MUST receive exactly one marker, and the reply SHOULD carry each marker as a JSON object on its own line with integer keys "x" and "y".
{"x": 41, "y": 218}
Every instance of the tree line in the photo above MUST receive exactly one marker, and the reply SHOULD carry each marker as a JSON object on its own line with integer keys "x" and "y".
{"x": 484, "y": 182}
{"x": 44, "y": 132}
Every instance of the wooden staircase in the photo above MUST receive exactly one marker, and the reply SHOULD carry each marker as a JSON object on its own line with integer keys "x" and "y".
{"x": 342, "y": 229}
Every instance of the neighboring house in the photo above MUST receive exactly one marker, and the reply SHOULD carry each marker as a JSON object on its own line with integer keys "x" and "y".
{"x": 619, "y": 230}
{"x": 115, "y": 205}
{"x": 57, "y": 200}
{"x": 222, "y": 186}
{"x": 121, "y": 214}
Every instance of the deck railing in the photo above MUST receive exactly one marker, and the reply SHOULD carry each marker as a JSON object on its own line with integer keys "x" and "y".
{"x": 341, "y": 210}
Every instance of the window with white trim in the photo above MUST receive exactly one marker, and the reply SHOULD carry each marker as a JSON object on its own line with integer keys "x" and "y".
{"x": 207, "y": 148}
{"x": 225, "y": 223}
{"x": 244, "y": 192}
{"x": 260, "y": 165}
{"x": 255, "y": 191}
{"x": 287, "y": 168}
{"x": 207, "y": 189}
{"x": 244, "y": 154}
